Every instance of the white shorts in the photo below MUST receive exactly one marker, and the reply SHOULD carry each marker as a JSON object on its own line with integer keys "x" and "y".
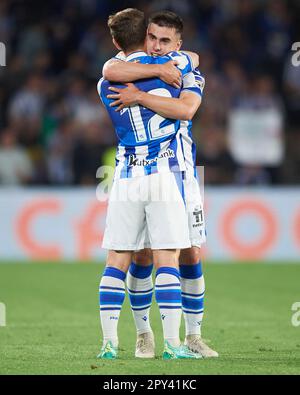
{"x": 152, "y": 204}
{"x": 194, "y": 211}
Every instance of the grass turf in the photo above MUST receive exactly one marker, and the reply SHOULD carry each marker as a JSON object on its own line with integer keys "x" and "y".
{"x": 53, "y": 322}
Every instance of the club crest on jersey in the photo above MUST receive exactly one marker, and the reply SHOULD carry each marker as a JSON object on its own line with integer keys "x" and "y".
{"x": 134, "y": 161}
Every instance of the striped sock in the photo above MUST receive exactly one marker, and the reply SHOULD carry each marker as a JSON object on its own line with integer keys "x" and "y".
{"x": 111, "y": 298}
{"x": 140, "y": 289}
{"x": 192, "y": 288}
{"x": 168, "y": 297}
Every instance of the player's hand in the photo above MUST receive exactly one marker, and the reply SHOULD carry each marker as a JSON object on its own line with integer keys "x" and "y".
{"x": 124, "y": 97}
{"x": 170, "y": 74}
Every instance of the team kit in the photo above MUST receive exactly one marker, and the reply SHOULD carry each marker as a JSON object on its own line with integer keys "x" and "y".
{"x": 151, "y": 91}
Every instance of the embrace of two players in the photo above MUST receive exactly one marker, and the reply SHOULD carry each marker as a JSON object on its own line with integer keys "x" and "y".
{"x": 155, "y": 215}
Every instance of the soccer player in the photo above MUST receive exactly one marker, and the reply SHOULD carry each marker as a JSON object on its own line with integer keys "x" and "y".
{"x": 164, "y": 35}
{"x": 147, "y": 192}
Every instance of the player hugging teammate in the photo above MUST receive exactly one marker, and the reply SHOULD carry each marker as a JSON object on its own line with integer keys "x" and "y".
{"x": 155, "y": 212}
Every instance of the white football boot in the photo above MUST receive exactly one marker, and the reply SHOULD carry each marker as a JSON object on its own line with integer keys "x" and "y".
{"x": 196, "y": 344}
{"x": 145, "y": 347}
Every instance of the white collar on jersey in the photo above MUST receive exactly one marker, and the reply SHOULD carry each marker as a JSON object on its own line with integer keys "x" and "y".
{"x": 134, "y": 55}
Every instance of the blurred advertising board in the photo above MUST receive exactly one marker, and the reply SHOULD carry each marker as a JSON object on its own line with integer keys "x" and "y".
{"x": 67, "y": 224}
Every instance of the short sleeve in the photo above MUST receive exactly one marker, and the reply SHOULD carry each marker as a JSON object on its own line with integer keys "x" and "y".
{"x": 99, "y": 84}
{"x": 194, "y": 82}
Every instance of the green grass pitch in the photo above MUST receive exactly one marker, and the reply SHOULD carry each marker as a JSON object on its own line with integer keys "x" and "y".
{"x": 52, "y": 326}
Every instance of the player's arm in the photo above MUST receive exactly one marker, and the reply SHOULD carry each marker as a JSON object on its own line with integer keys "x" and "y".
{"x": 119, "y": 71}
{"x": 183, "y": 108}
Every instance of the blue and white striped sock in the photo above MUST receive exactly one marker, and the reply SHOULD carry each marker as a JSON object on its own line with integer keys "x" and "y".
{"x": 168, "y": 297}
{"x": 192, "y": 291}
{"x": 111, "y": 298}
{"x": 140, "y": 288}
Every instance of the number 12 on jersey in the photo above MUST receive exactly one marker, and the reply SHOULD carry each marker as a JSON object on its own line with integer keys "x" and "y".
{"x": 153, "y": 124}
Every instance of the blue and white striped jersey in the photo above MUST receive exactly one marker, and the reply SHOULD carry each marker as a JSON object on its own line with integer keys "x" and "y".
{"x": 192, "y": 82}
{"x": 148, "y": 142}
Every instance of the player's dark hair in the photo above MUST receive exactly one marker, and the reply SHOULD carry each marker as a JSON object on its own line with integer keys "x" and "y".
{"x": 167, "y": 19}
{"x": 128, "y": 27}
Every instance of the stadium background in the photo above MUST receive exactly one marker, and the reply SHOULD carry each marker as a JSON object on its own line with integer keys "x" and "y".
{"x": 54, "y": 135}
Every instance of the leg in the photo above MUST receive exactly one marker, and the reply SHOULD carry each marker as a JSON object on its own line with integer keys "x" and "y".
{"x": 111, "y": 298}
{"x": 168, "y": 232}
{"x": 168, "y": 293}
{"x": 124, "y": 231}
{"x": 140, "y": 290}
{"x": 192, "y": 279}
{"x": 168, "y": 297}
{"x": 193, "y": 288}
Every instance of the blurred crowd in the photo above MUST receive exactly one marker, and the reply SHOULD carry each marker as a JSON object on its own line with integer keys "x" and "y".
{"x": 54, "y": 131}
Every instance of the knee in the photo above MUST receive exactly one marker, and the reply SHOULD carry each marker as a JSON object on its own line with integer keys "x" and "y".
{"x": 165, "y": 258}
{"x": 143, "y": 257}
{"x": 119, "y": 259}
{"x": 190, "y": 256}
